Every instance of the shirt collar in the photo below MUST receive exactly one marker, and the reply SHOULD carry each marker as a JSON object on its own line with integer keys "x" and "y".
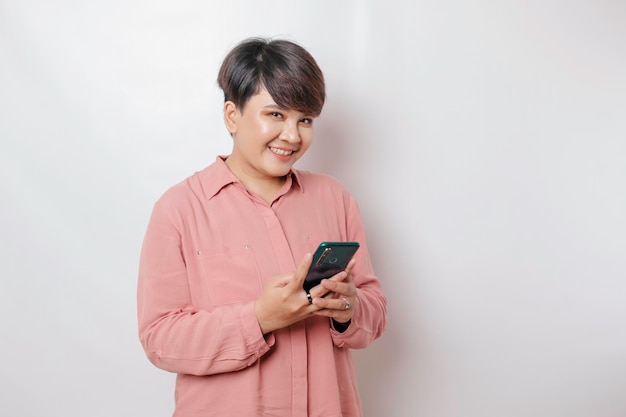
{"x": 297, "y": 180}
{"x": 218, "y": 175}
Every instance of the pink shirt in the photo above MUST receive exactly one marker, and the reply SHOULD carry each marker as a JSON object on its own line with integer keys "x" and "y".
{"x": 209, "y": 248}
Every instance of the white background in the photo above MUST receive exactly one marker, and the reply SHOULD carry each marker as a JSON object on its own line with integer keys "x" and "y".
{"x": 485, "y": 142}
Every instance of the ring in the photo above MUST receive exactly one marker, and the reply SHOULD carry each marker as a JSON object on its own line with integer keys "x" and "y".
{"x": 308, "y": 297}
{"x": 348, "y": 305}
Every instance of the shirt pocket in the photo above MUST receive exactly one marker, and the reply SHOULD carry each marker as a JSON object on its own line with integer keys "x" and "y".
{"x": 231, "y": 274}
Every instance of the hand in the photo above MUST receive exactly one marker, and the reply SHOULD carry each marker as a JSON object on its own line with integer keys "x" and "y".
{"x": 341, "y": 294}
{"x": 283, "y": 301}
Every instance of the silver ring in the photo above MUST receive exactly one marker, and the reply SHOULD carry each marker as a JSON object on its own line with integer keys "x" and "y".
{"x": 348, "y": 305}
{"x": 308, "y": 297}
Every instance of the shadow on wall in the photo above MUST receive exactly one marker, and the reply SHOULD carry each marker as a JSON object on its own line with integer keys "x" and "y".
{"x": 330, "y": 151}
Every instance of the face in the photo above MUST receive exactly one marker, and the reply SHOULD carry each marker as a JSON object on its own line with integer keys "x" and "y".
{"x": 267, "y": 139}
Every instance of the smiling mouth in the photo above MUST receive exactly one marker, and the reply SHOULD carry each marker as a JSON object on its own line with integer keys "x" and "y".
{"x": 281, "y": 152}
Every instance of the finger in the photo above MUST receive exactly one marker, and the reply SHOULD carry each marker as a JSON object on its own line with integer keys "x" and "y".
{"x": 345, "y": 275}
{"x": 337, "y": 304}
{"x": 350, "y": 267}
{"x": 301, "y": 270}
{"x": 345, "y": 288}
{"x": 339, "y": 315}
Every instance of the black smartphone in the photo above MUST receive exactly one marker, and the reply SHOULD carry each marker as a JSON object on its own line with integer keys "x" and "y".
{"x": 329, "y": 259}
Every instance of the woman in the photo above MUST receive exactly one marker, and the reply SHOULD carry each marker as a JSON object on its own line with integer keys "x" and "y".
{"x": 220, "y": 297}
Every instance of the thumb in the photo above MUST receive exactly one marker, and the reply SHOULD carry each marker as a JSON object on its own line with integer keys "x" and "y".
{"x": 300, "y": 273}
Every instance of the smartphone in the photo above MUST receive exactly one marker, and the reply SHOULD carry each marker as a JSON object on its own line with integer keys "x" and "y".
{"x": 329, "y": 259}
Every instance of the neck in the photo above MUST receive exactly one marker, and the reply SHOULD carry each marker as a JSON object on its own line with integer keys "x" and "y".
{"x": 265, "y": 187}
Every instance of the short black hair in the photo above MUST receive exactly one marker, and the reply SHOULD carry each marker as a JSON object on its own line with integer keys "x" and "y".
{"x": 287, "y": 70}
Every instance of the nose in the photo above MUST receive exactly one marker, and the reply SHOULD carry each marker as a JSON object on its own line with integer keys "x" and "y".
{"x": 290, "y": 132}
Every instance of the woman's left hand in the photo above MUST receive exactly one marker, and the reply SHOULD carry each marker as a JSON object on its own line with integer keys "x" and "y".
{"x": 340, "y": 301}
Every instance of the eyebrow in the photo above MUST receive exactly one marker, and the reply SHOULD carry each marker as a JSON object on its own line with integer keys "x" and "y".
{"x": 274, "y": 106}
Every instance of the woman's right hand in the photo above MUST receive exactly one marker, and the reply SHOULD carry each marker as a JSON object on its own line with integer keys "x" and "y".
{"x": 283, "y": 301}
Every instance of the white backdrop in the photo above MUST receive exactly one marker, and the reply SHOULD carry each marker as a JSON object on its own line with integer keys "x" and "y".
{"x": 485, "y": 142}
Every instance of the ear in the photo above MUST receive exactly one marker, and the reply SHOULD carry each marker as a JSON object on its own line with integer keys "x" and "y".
{"x": 231, "y": 116}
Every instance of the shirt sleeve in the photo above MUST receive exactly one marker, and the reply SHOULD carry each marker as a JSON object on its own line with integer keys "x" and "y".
{"x": 370, "y": 309}
{"x": 177, "y": 336}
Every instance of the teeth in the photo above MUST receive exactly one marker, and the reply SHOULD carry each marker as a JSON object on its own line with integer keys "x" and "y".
{"x": 280, "y": 151}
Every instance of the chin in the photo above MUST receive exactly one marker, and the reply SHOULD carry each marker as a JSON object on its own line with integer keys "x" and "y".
{"x": 279, "y": 171}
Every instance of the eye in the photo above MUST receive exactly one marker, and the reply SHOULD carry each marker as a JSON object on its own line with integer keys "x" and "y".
{"x": 276, "y": 114}
{"x": 308, "y": 121}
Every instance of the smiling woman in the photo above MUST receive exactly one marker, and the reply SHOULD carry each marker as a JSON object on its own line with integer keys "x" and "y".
{"x": 226, "y": 252}
{"x": 267, "y": 141}
{"x": 281, "y": 89}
